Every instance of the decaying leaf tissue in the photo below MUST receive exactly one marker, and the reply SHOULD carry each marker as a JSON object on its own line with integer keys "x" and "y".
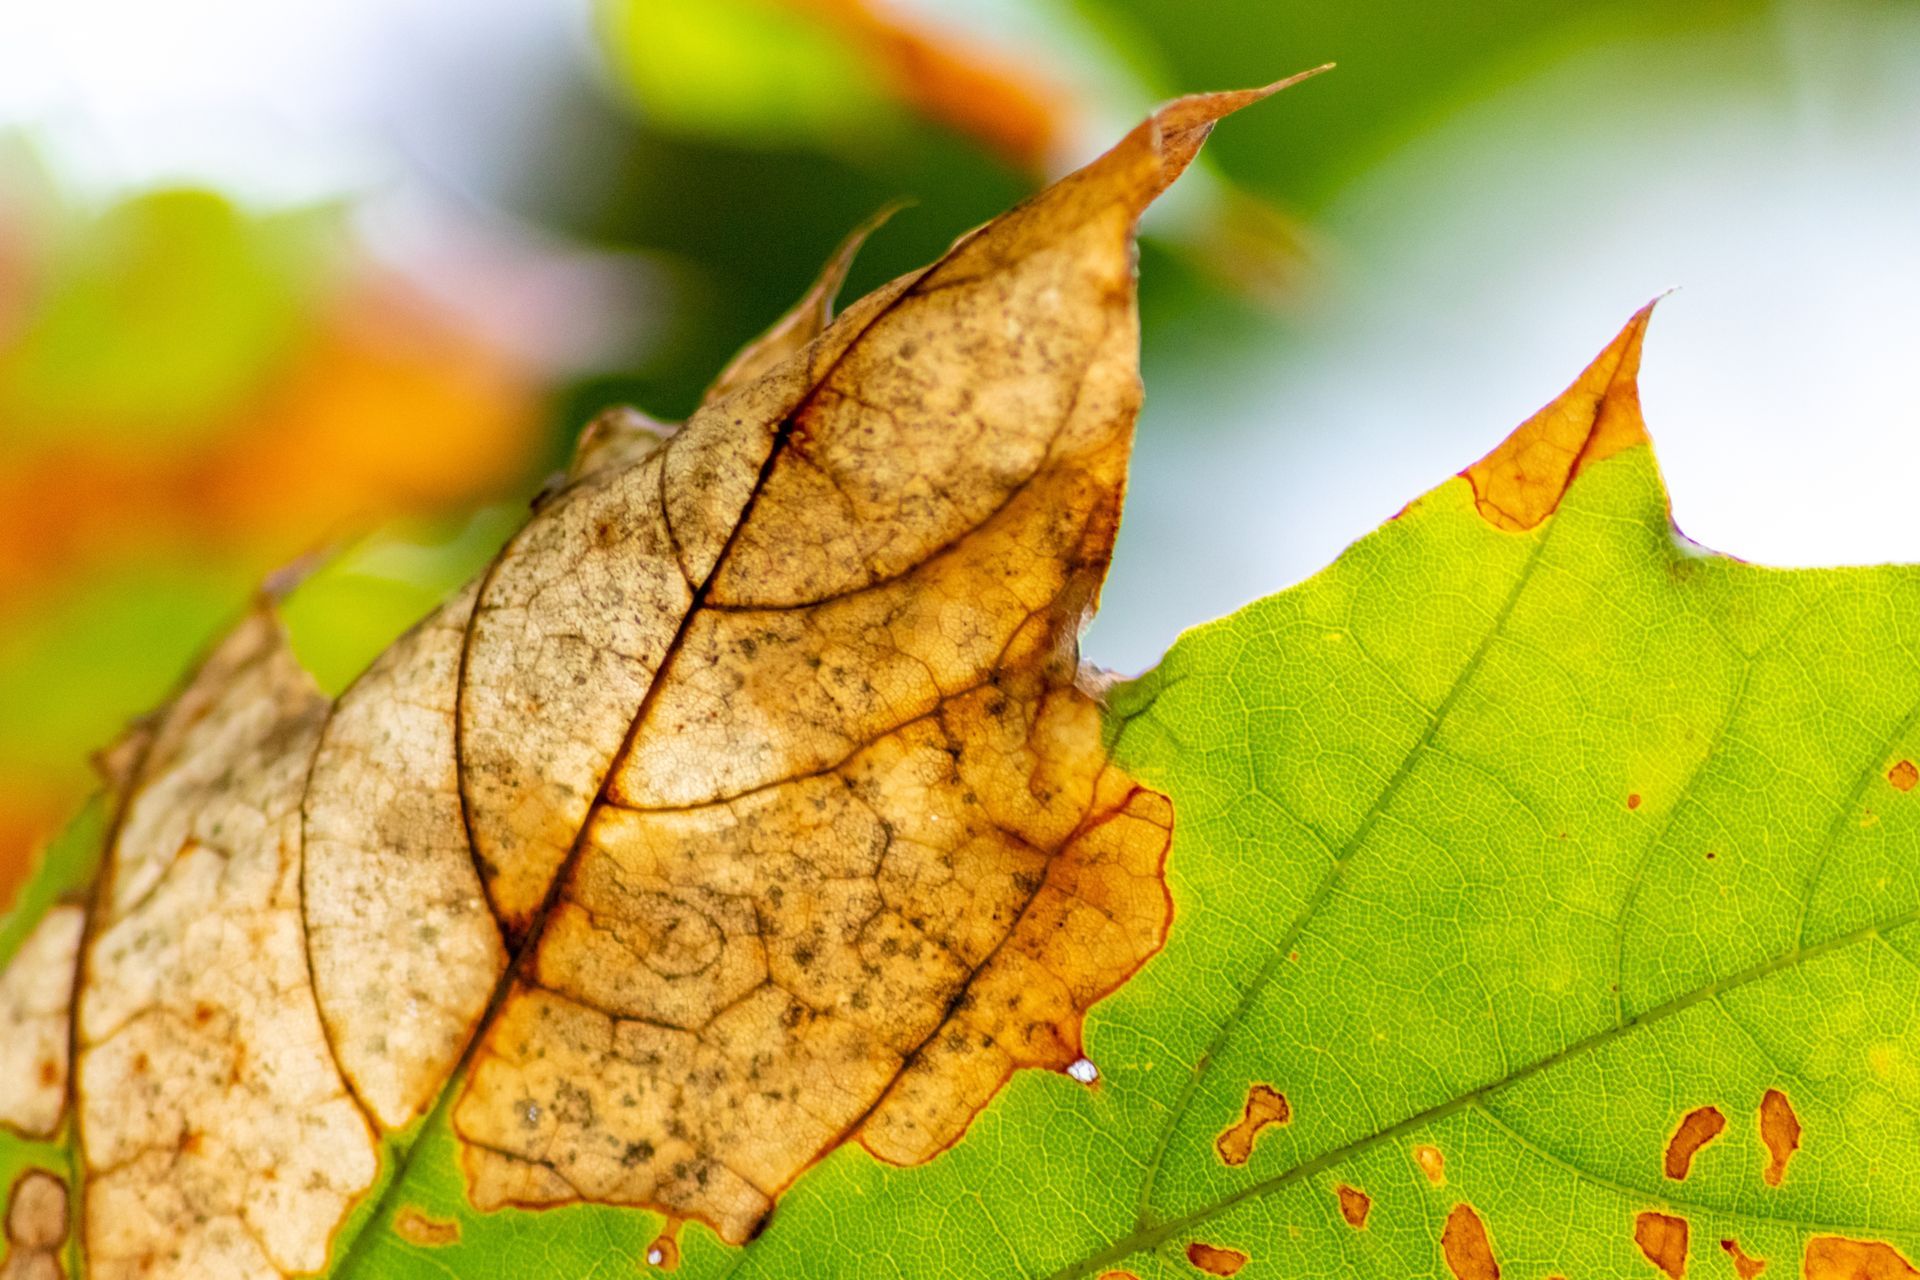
{"x": 688, "y": 891}
{"x": 748, "y": 805}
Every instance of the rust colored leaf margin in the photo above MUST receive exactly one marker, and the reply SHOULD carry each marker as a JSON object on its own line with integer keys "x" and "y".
{"x": 1521, "y": 482}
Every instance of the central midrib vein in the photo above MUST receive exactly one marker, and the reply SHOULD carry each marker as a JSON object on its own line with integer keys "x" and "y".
{"x": 1341, "y": 860}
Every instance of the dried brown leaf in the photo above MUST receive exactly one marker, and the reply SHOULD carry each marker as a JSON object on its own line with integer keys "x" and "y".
{"x": 748, "y": 805}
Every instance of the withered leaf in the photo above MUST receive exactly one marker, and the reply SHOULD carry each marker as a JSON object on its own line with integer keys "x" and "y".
{"x": 748, "y": 805}
{"x": 750, "y": 809}
{"x": 217, "y": 1134}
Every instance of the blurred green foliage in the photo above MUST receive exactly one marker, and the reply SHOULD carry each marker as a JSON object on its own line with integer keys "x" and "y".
{"x": 746, "y": 73}
{"x": 157, "y": 314}
{"x": 1401, "y": 67}
{"x": 358, "y": 601}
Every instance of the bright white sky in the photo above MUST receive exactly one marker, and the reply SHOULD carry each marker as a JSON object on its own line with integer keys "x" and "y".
{"x": 1778, "y": 382}
{"x": 1772, "y": 175}
{"x": 282, "y": 100}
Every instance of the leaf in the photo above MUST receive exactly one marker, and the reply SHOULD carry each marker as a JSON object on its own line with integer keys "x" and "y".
{"x": 746, "y": 807}
{"x": 1525, "y": 850}
{"x": 1544, "y": 891}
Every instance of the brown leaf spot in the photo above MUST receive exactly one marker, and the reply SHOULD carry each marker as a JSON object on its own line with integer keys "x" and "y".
{"x": 1662, "y": 1237}
{"x": 1466, "y": 1248}
{"x": 1745, "y": 1265}
{"x": 1633, "y": 800}
{"x": 1355, "y": 1205}
{"x": 1697, "y": 1128}
{"x": 1780, "y": 1131}
{"x": 37, "y": 1212}
{"x": 1118, "y": 1275}
{"x": 36, "y": 992}
{"x": 417, "y": 1227}
{"x": 1903, "y": 775}
{"x": 1837, "y": 1258}
{"x": 1521, "y": 482}
{"x": 1214, "y": 1260}
{"x": 1432, "y": 1162}
{"x": 663, "y": 1254}
{"x": 1265, "y": 1106}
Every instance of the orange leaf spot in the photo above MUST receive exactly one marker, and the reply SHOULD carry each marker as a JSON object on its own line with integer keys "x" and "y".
{"x": 1780, "y": 1131}
{"x": 1214, "y": 1260}
{"x": 1432, "y": 1163}
{"x": 1633, "y": 800}
{"x": 1745, "y": 1265}
{"x": 1663, "y": 1238}
{"x": 664, "y": 1253}
{"x": 1699, "y": 1127}
{"x": 1521, "y": 482}
{"x": 1265, "y": 1106}
{"x": 1837, "y": 1258}
{"x": 415, "y": 1227}
{"x": 1355, "y": 1205}
{"x": 1903, "y": 775}
{"x": 1465, "y": 1246}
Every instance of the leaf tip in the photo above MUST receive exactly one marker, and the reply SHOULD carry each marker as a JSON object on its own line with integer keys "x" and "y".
{"x": 1521, "y": 482}
{"x": 808, "y": 318}
{"x": 281, "y": 583}
{"x": 1182, "y": 125}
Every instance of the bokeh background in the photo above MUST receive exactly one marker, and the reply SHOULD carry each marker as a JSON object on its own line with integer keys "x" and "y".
{"x": 343, "y": 277}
